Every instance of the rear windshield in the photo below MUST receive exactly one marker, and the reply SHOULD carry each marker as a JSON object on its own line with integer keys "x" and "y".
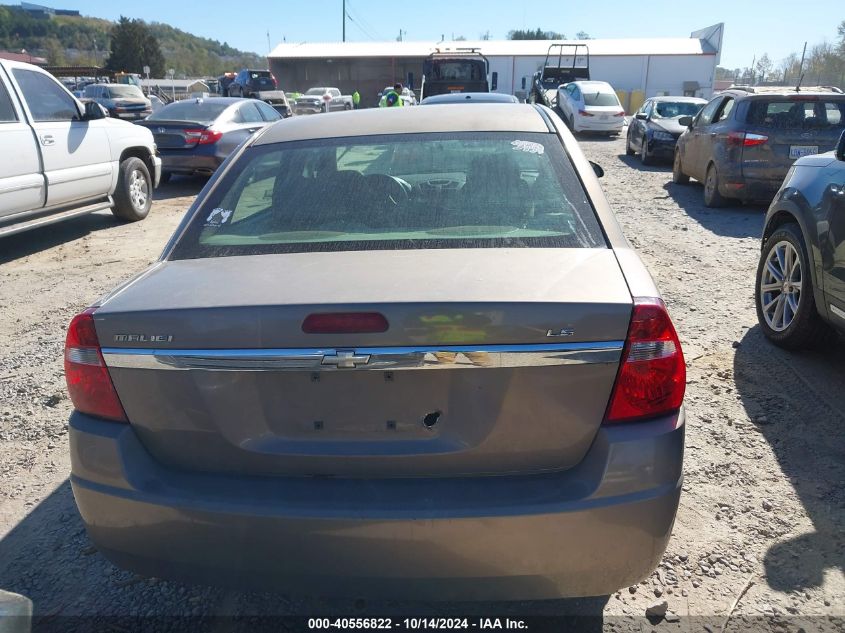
{"x": 259, "y": 74}
{"x": 594, "y": 98}
{"x": 674, "y": 109}
{"x": 467, "y": 190}
{"x": 199, "y": 112}
{"x": 794, "y": 113}
{"x": 316, "y": 91}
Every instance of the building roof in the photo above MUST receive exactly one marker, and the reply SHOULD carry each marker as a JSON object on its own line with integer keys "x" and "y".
{"x": 492, "y": 117}
{"x": 26, "y": 58}
{"x": 493, "y": 48}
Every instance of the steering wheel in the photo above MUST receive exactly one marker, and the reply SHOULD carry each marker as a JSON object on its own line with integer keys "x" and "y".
{"x": 387, "y": 191}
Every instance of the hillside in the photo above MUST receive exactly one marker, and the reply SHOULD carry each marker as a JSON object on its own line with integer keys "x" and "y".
{"x": 85, "y": 40}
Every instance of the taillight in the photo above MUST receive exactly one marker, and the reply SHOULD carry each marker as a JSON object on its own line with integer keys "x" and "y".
{"x": 585, "y": 113}
{"x": 652, "y": 375}
{"x": 345, "y": 323}
{"x": 88, "y": 382}
{"x": 203, "y": 136}
{"x": 620, "y": 113}
{"x": 746, "y": 139}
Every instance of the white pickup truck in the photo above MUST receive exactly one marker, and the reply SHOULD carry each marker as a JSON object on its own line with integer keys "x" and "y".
{"x": 60, "y": 159}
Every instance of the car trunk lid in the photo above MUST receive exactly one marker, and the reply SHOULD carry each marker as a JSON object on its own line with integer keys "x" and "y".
{"x": 176, "y": 134}
{"x": 504, "y": 365}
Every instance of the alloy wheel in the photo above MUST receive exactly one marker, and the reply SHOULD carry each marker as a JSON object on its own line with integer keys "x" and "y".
{"x": 138, "y": 189}
{"x": 780, "y": 286}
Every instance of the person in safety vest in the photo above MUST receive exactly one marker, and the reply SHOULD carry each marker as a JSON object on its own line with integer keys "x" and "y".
{"x": 392, "y": 98}
{"x": 356, "y": 99}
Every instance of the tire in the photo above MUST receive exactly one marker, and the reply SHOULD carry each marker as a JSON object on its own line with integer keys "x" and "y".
{"x": 678, "y": 176}
{"x": 806, "y": 328}
{"x": 712, "y": 197}
{"x": 347, "y": 106}
{"x": 133, "y": 196}
{"x": 645, "y": 157}
{"x": 629, "y": 151}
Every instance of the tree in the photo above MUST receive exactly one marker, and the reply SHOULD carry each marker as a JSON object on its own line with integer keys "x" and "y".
{"x": 763, "y": 67}
{"x": 133, "y": 46}
{"x": 538, "y": 34}
{"x": 460, "y": 38}
{"x": 485, "y": 36}
{"x": 582, "y": 35}
{"x": 54, "y": 52}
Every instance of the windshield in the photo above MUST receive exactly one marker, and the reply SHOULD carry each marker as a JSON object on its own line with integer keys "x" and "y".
{"x": 674, "y": 109}
{"x": 198, "y": 112}
{"x": 461, "y": 70}
{"x": 596, "y": 98}
{"x": 316, "y": 91}
{"x": 125, "y": 92}
{"x": 466, "y": 190}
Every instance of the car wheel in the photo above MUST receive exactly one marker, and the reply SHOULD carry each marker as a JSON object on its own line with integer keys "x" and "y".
{"x": 629, "y": 151}
{"x": 783, "y": 293}
{"x": 712, "y": 197}
{"x": 678, "y": 175}
{"x": 645, "y": 157}
{"x": 133, "y": 196}
{"x": 347, "y": 106}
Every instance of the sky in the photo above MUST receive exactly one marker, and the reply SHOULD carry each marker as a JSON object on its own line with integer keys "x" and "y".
{"x": 752, "y": 27}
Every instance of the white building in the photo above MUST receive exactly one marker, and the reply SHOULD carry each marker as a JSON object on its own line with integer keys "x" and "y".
{"x": 640, "y": 68}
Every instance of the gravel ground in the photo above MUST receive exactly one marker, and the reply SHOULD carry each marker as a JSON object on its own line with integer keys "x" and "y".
{"x": 759, "y": 533}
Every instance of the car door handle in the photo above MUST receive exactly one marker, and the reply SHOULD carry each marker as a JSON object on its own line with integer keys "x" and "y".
{"x": 47, "y": 139}
{"x": 252, "y": 129}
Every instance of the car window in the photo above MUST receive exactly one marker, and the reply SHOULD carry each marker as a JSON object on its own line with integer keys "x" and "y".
{"x": 593, "y": 97}
{"x": 706, "y": 114}
{"x": 47, "y": 101}
{"x": 396, "y": 192}
{"x": 674, "y": 109}
{"x": 267, "y": 112}
{"x": 334, "y": 92}
{"x": 724, "y": 111}
{"x": 250, "y": 114}
{"x": 647, "y": 108}
{"x": 798, "y": 112}
{"x": 7, "y": 111}
{"x": 576, "y": 93}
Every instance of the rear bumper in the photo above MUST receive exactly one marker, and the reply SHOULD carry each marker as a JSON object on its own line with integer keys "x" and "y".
{"x": 180, "y": 162}
{"x": 588, "y": 531}
{"x": 749, "y": 189}
{"x": 586, "y": 124}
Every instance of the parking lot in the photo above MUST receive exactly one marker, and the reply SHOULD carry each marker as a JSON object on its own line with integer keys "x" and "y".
{"x": 759, "y": 531}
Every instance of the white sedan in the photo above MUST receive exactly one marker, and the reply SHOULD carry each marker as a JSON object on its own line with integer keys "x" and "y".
{"x": 590, "y": 106}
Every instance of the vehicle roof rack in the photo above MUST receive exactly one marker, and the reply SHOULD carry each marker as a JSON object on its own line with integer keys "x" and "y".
{"x": 777, "y": 89}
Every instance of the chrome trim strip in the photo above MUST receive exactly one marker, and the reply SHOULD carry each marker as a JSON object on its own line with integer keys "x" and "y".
{"x": 367, "y": 358}
{"x": 837, "y": 311}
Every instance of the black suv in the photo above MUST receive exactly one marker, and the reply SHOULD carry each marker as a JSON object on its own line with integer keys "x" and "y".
{"x": 745, "y": 139}
{"x": 248, "y": 82}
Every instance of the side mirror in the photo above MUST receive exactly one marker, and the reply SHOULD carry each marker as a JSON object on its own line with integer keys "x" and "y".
{"x": 642, "y": 116}
{"x": 686, "y": 121}
{"x": 597, "y": 168}
{"x": 94, "y": 111}
{"x": 840, "y": 147}
{"x": 495, "y": 81}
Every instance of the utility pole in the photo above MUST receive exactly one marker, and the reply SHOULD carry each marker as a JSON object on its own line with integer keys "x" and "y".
{"x": 269, "y": 49}
{"x": 801, "y": 69}
{"x": 344, "y": 20}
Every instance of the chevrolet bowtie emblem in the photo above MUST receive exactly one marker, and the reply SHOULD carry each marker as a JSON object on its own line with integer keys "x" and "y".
{"x": 346, "y": 360}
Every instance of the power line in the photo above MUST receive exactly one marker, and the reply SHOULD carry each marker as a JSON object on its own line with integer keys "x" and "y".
{"x": 362, "y": 23}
